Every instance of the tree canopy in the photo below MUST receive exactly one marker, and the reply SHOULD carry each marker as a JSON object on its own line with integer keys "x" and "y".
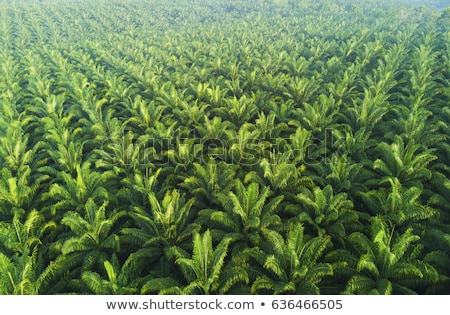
{"x": 224, "y": 147}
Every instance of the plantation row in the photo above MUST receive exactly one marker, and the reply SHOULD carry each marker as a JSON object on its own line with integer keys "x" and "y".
{"x": 224, "y": 147}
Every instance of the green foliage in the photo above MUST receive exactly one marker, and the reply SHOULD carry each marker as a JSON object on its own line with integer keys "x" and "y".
{"x": 201, "y": 271}
{"x": 397, "y": 205}
{"x": 209, "y": 180}
{"x": 245, "y": 214}
{"x": 404, "y": 162}
{"x": 292, "y": 264}
{"x": 383, "y": 264}
{"x": 224, "y": 147}
{"x": 115, "y": 284}
{"x": 325, "y": 213}
{"x": 73, "y": 193}
{"x": 91, "y": 237}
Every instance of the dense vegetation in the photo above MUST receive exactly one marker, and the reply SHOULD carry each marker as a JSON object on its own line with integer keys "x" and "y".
{"x": 224, "y": 147}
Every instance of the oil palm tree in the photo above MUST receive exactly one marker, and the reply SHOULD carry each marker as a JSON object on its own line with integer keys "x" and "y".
{"x": 25, "y": 233}
{"x": 48, "y": 114}
{"x": 283, "y": 111}
{"x": 143, "y": 115}
{"x": 438, "y": 195}
{"x": 366, "y": 112}
{"x": 291, "y": 265}
{"x": 15, "y": 149}
{"x": 244, "y": 147}
{"x": 280, "y": 173}
{"x": 212, "y": 129}
{"x": 397, "y": 205}
{"x": 406, "y": 162}
{"x": 243, "y": 214}
{"x": 72, "y": 193}
{"x": 268, "y": 128}
{"x": 19, "y": 193}
{"x": 209, "y": 180}
{"x": 25, "y": 245}
{"x": 385, "y": 263}
{"x": 201, "y": 270}
{"x": 168, "y": 224}
{"x": 325, "y": 213}
{"x": 190, "y": 113}
{"x": 21, "y": 274}
{"x": 301, "y": 89}
{"x": 237, "y": 110}
{"x": 341, "y": 172}
{"x": 318, "y": 116}
{"x": 437, "y": 243}
{"x": 118, "y": 280}
{"x": 91, "y": 239}
{"x": 415, "y": 125}
{"x": 63, "y": 149}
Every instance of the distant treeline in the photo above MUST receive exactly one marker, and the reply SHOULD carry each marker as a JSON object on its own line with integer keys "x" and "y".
{"x": 435, "y": 4}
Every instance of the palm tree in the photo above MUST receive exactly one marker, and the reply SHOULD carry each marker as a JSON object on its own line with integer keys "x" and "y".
{"x": 14, "y": 148}
{"x": 397, "y": 205}
{"x": 215, "y": 95}
{"x": 291, "y": 265}
{"x": 23, "y": 261}
{"x": 301, "y": 89}
{"x": 20, "y": 274}
{"x": 244, "y": 147}
{"x": 280, "y": 173}
{"x": 404, "y": 162}
{"x": 186, "y": 152}
{"x": 209, "y": 180}
{"x": 156, "y": 142}
{"x": 275, "y": 84}
{"x": 325, "y": 213}
{"x": 268, "y": 129}
{"x": 284, "y": 112}
{"x": 237, "y": 110}
{"x": 437, "y": 243}
{"x": 125, "y": 152}
{"x": 91, "y": 236}
{"x": 344, "y": 86}
{"x": 341, "y": 172}
{"x": 366, "y": 112}
{"x": 357, "y": 145}
{"x": 18, "y": 193}
{"x": 385, "y": 263}
{"x": 422, "y": 82}
{"x": 41, "y": 82}
{"x": 24, "y": 237}
{"x": 318, "y": 116}
{"x": 440, "y": 261}
{"x": 137, "y": 187}
{"x": 169, "y": 224}
{"x": 415, "y": 125}
{"x": 213, "y": 129}
{"x": 190, "y": 113}
{"x": 143, "y": 115}
{"x": 301, "y": 148}
{"x": 170, "y": 98}
{"x": 47, "y": 114}
{"x": 119, "y": 279}
{"x": 438, "y": 195}
{"x": 72, "y": 193}
{"x": 244, "y": 214}
{"x": 63, "y": 148}
{"x": 91, "y": 240}
{"x": 201, "y": 271}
